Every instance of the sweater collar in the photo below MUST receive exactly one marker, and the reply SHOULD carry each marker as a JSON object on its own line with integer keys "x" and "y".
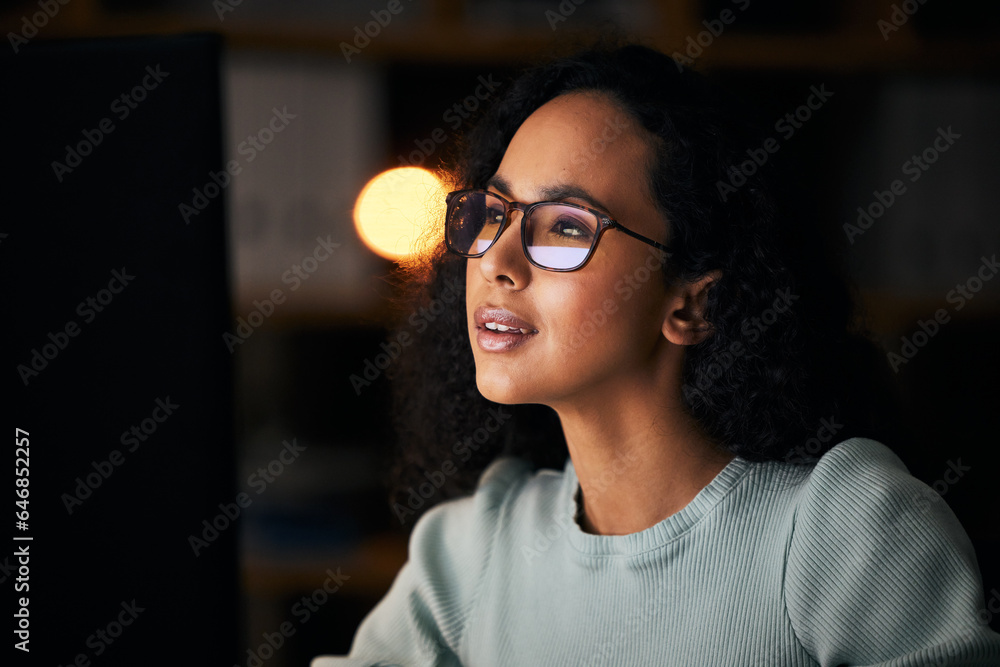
{"x": 657, "y": 535}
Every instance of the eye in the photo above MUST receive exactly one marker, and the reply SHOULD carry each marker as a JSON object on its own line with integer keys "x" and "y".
{"x": 563, "y": 225}
{"x": 494, "y": 215}
{"x": 570, "y": 228}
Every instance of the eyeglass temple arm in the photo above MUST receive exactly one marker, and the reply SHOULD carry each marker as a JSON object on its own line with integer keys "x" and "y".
{"x": 644, "y": 239}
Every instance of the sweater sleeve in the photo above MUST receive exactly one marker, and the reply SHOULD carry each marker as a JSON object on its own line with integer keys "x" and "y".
{"x": 879, "y": 570}
{"x": 421, "y": 619}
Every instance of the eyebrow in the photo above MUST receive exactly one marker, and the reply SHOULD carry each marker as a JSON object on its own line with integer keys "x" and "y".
{"x": 551, "y": 193}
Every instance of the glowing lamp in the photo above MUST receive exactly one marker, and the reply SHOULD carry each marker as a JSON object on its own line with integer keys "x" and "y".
{"x": 399, "y": 211}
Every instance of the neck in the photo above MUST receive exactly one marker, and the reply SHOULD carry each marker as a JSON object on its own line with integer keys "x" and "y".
{"x": 639, "y": 457}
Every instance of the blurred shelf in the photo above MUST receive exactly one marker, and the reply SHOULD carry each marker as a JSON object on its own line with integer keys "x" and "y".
{"x": 371, "y": 567}
{"x": 890, "y": 315}
{"x": 444, "y": 32}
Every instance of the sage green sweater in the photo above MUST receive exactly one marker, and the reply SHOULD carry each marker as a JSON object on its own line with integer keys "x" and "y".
{"x": 851, "y": 561}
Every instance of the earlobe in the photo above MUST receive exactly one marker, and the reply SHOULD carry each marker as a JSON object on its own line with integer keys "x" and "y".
{"x": 685, "y": 322}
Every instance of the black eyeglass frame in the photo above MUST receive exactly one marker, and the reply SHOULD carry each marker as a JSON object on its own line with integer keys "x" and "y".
{"x": 606, "y": 223}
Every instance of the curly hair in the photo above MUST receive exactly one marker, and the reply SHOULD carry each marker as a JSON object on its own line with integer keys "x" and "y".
{"x": 782, "y": 357}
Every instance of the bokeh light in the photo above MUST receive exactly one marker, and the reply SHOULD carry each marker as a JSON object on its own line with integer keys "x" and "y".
{"x": 399, "y": 211}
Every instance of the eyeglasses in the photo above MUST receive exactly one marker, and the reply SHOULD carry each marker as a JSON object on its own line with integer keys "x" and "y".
{"x": 555, "y": 236}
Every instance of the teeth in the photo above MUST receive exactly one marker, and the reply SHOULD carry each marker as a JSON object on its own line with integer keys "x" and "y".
{"x": 493, "y": 326}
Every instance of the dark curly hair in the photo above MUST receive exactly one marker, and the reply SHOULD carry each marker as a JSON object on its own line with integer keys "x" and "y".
{"x": 782, "y": 358}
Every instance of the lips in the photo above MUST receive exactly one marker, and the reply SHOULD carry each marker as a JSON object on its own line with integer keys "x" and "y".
{"x": 499, "y": 330}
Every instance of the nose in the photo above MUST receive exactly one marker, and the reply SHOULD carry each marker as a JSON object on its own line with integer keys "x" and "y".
{"x": 504, "y": 263}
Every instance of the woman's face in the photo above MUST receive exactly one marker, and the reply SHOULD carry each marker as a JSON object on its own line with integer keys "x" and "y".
{"x": 592, "y": 329}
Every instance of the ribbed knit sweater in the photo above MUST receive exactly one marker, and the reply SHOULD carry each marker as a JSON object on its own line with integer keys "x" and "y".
{"x": 850, "y": 561}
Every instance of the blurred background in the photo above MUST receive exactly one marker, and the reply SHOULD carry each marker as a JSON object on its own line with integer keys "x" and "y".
{"x": 316, "y": 99}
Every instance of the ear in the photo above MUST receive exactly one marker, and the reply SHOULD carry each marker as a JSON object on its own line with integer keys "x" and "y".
{"x": 685, "y": 322}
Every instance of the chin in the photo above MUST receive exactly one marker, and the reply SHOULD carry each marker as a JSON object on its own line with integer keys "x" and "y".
{"x": 505, "y": 388}
{"x": 499, "y": 391}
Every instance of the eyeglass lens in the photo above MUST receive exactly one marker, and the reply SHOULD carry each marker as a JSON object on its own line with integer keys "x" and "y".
{"x": 557, "y": 236}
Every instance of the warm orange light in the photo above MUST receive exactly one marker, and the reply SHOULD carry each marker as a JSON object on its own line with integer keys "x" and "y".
{"x": 396, "y": 210}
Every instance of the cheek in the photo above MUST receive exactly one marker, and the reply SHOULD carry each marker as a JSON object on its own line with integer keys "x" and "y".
{"x": 588, "y": 316}
{"x": 612, "y": 315}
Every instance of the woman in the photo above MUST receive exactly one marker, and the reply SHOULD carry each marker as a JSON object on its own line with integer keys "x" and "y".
{"x": 655, "y": 388}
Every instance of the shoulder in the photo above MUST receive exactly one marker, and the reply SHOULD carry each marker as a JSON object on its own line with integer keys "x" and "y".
{"x": 877, "y": 555}
{"x": 860, "y": 501}
{"x": 421, "y": 620}
{"x": 469, "y": 524}
{"x": 860, "y": 484}
{"x": 501, "y": 478}
{"x": 859, "y": 456}
{"x": 477, "y": 534}
{"x": 857, "y": 472}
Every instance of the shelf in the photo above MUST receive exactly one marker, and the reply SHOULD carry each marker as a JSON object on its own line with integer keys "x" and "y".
{"x": 890, "y": 315}
{"x": 443, "y": 35}
{"x": 371, "y": 566}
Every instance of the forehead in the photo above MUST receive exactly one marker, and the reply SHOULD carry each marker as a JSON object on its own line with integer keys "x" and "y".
{"x": 581, "y": 140}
